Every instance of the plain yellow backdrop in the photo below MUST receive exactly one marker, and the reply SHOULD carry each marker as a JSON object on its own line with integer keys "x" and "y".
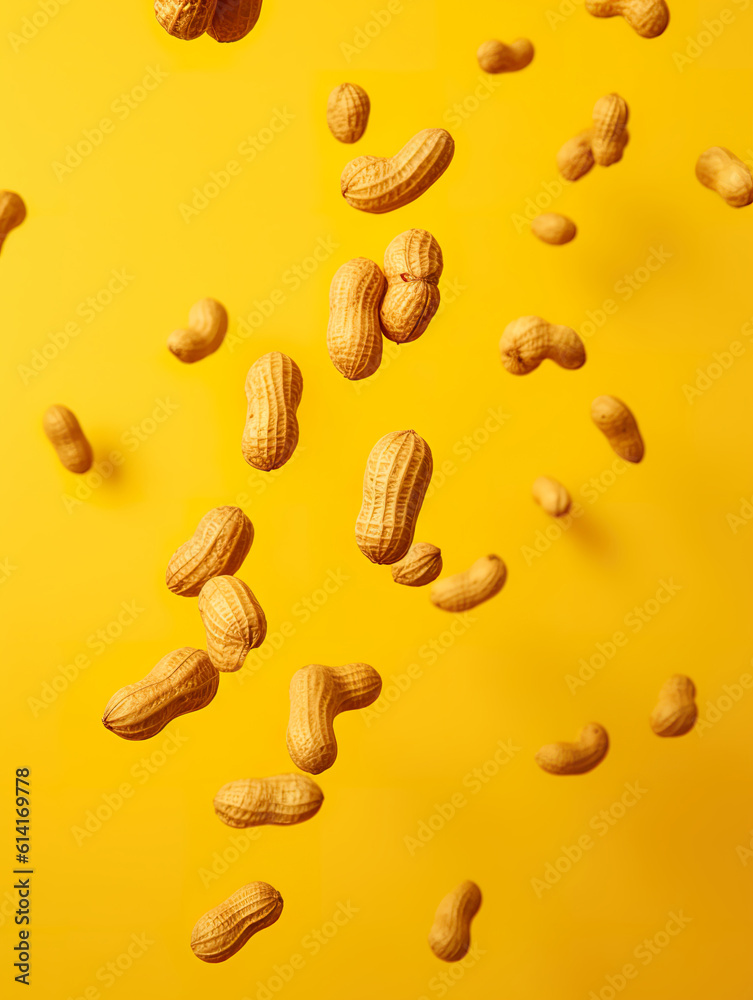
{"x": 126, "y": 848}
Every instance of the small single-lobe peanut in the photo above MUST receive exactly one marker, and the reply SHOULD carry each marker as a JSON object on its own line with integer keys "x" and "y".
{"x": 496, "y": 57}
{"x": 463, "y": 591}
{"x": 207, "y": 326}
{"x": 398, "y": 472}
{"x": 676, "y": 711}
{"x": 609, "y": 134}
{"x": 217, "y": 548}
{"x": 615, "y": 420}
{"x": 576, "y": 158}
{"x": 719, "y": 169}
{"x": 528, "y": 341}
{"x": 575, "y": 758}
{"x": 648, "y": 18}
{"x": 12, "y": 213}
{"x": 64, "y": 431}
{"x": 553, "y": 228}
{"x": 281, "y": 800}
{"x": 450, "y": 935}
{"x": 552, "y": 496}
{"x": 274, "y": 386}
{"x": 234, "y": 621}
{"x": 354, "y": 336}
{"x": 317, "y": 695}
{"x": 183, "y": 681}
{"x": 422, "y": 565}
{"x": 186, "y": 19}
{"x": 381, "y": 184}
{"x": 223, "y": 931}
{"x": 413, "y": 266}
{"x": 348, "y": 108}
{"x": 233, "y": 19}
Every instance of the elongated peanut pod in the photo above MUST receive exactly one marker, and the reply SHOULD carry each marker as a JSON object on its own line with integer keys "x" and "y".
{"x": 576, "y": 158}
{"x": 234, "y": 621}
{"x": 185, "y": 19}
{"x": 348, "y": 108}
{"x": 233, "y": 19}
{"x": 617, "y": 423}
{"x": 496, "y": 57}
{"x": 354, "y": 336}
{"x": 575, "y": 758}
{"x": 463, "y": 591}
{"x": 64, "y": 431}
{"x": 12, "y": 213}
{"x": 648, "y": 18}
{"x": 609, "y": 135}
{"x": 281, "y": 800}
{"x": 422, "y": 565}
{"x": 552, "y": 496}
{"x": 217, "y": 548}
{"x": 223, "y": 931}
{"x": 274, "y": 386}
{"x": 207, "y": 326}
{"x": 450, "y": 935}
{"x": 676, "y": 712}
{"x": 721, "y": 171}
{"x": 528, "y": 341}
{"x": 413, "y": 266}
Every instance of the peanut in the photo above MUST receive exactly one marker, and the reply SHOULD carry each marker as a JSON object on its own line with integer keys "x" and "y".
{"x": 397, "y": 476}
{"x": 648, "y": 18}
{"x": 553, "y": 228}
{"x": 463, "y": 591}
{"x": 354, "y": 336}
{"x": 576, "y": 158}
{"x": 207, "y": 326}
{"x": 609, "y": 135}
{"x": 528, "y": 341}
{"x": 281, "y": 800}
{"x": 450, "y": 935}
{"x": 233, "y": 19}
{"x": 413, "y": 265}
{"x": 552, "y": 496}
{"x": 223, "y": 931}
{"x": 617, "y": 423}
{"x": 234, "y": 621}
{"x": 575, "y": 758}
{"x": 317, "y": 695}
{"x": 186, "y": 19}
{"x": 675, "y": 712}
{"x": 422, "y": 565}
{"x": 12, "y": 213}
{"x": 381, "y": 184}
{"x": 182, "y": 682}
{"x": 274, "y": 386}
{"x": 348, "y": 108}
{"x": 64, "y": 431}
{"x": 719, "y": 169}
{"x": 496, "y": 57}
{"x": 218, "y": 547}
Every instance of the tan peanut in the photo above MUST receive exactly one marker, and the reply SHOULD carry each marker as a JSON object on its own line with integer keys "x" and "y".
{"x": 463, "y": 591}
{"x": 281, "y": 800}
{"x": 354, "y": 336}
{"x": 528, "y": 341}
{"x": 648, "y": 18}
{"x": 64, "y": 431}
{"x": 450, "y": 935}
{"x": 422, "y": 565}
{"x": 317, "y": 695}
{"x": 12, "y": 213}
{"x": 348, "y": 108}
{"x": 496, "y": 57}
{"x": 223, "y": 931}
{"x": 719, "y": 169}
{"x": 274, "y": 386}
{"x": 413, "y": 266}
{"x": 676, "y": 711}
{"x": 186, "y": 19}
{"x": 552, "y": 496}
{"x": 576, "y": 158}
{"x": 575, "y": 758}
{"x": 234, "y": 621}
{"x": 218, "y": 547}
{"x": 553, "y": 228}
{"x": 381, "y": 184}
{"x": 398, "y": 472}
{"x": 182, "y": 682}
{"x": 609, "y": 134}
{"x": 233, "y": 19}
{"x": 619, "y": 426}
{"x": 207, "y": 326}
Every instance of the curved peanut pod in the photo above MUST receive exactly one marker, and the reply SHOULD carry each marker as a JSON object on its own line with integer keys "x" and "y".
{"x": 552, "y": 228}
{"x": 398, "y": 472}
{"x": 496, "y": 57}
{"x": 223, "y": 931}
{"x": 721, "y": 171}
{"x": 375, "y": 184}
{"x": 575, "y": 758}
{"x": 186, "y": 19}
{"x": 422, "y": 565}
{"x": 234, "y": 621}
{"x": 281, "y": 800}
{"x": 552, "y": 496}
{"x": 450, "y": 935}
{"x": 64, "y": 431}
{"x": 609, "y": 134}
{"x": 12, "y": 213}
{"x": 648, "y": 18}
{"x": 413, "y": 266}
{"x": 676, "y": 711}
{"x": 485, "y": 578}
{"x": 576, "y": 157}
{"x": 348, "y": 108}
{"x": 207, "y": 326}
{"x": 274, "y": 386}
{"x": 354, "y": 336}
{"x": 182, "y": 682}
{"x": 528, "y": 341}
{"x": 317, "y": 695}
{"x": 617, "y": 423}
{"x": 217, "y": 548}
{"x": 233, "y": 19}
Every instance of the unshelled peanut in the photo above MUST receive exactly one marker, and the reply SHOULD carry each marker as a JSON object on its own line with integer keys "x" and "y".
{"x": 615, "y": 420}
{"x": 413, "y": 266}
{"x": 609, "y": 134}
{"x": 576, "y": 158}
{"x": 223, "y": 931}
{"x": 185, "y": 19}
{"x": 274, "y": 386}
{"x": 234, "y": 621}
{"x": 354, "y": 334}
{"x": 422, "y": 565}
{"x": 233, "y": 19}
{"x": 575, "y": 758}
{"x": 12, "y": 213}
{"x": 64, "y": 431}
{"x": 463, "y": 591}
{"x": 553, "y": 228}
{"x": 450, "y": 935}
{"x": 721, "y": 171}
{"x": 217, "y": 548}
{"x": 282, "y": 800}
{"x": 552, "y": 496}
{"x": 348, "y": 110}
{"x": 676, "y": 712}
{"x": 496, "y": 57}
{"x": 648, "y": 18}
{"x": 207, "y": 326}
{"x": 528, "y": 341}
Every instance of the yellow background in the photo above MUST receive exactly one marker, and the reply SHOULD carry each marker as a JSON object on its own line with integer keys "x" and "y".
{"x": 504, "y": 677}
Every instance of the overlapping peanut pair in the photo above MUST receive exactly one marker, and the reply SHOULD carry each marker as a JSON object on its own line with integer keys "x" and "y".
{"x": 70, "y": 443}
{"x": 721, "y": 171}
{"x": 575, "y": 758}
{"x": 234, "y": 621}
{"x": 603, "y": 144}
{"x": 12, "y": 213}
{"x": 223, "y": 20}
{"x": 675, "y": 712}
{"x": 528, "y": 341}
{"x": 648, "y": 18}
{"x": 463, "y": 591}
{"x": 223, "y": 931}
{"x": 274, "y": 386}
{"x": 413, "y": 266}
{"x": 217, "y": 548}
{"x": 348, "y": 110}
{"x": 354, "y": 333}
{"x": 282, "y": 800}
{"x": 450, "y": 935}
{"x": 207, "y": 326}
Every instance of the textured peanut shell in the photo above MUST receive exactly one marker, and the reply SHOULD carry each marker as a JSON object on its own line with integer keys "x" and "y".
{"x": 274, "y": 386}
{"x": 354, "y": 336}
{"x": 182, "y": 682}
{"x": 12, "y": 213}
{"x": 233, "y": 19}
{"x": 207, "y": 326}
{"x": 413, "y": 266}
{"x": 575, "y": 758}
{"x": 398, "y": 472}
{"x": 422, "y": 565}
{"x": 234, "y": 621}
{"x": 348, "y": 108}
{"x": 223, "y": 931}
{"x": 450, "y": 935}
{"x": 281, "y": 800}
{"x": 576, "y": 157}
{"x": 70, "y": 443}
{"x": 648, "y": 18}
{"x": 609, "y": 134}
{"x": 217, "y": 548}
{"x": 552, "y": 228}
{"x": 721, "y": 171}
{"x": 528, "y": 341}
{"x": 381, "y": 184}
{"x": 185, "y": 19}
{"x": 496, "y": 57}
{"x": 676, "y": 712}
{"x": 317, "y": 695}
{"x": 552, "y": 496}
{"x": 463, "y": 591}
{"x": 615, "y": 420}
